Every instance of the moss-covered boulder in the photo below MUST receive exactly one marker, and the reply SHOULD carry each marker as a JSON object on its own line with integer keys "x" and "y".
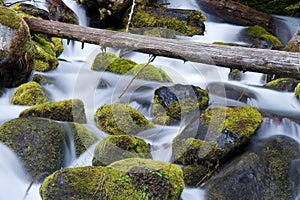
{"x": 67, "y": 110}
{"x": 294, "y": 45}
{"x": 118, "y": 147}
{"x": 29, "y": 94}
{"x": 28, "y": 10}
{"x": 235, "y": 75}
{"x": 120, "y": 119}
{"x": 191, "y": 174}
{"x": 37, "y": 142}
{"x": 150, "y": 72}
{"x": 16, "y": 49}
{"x": 126, "y": 179}
{"x": 297, "y": 91}
{"x": 82, "y": 137}
{"x": 258, "y": 37}
{"x": 264, "y": 172}
{"x": 102, "y": 61}
{"x": 283, "y": 84}
{"x": 220, "y": 132}
{"x": 174, "y": 102}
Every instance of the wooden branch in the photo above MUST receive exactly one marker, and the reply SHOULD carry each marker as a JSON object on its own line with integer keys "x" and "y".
{"x": 284, "y": 64}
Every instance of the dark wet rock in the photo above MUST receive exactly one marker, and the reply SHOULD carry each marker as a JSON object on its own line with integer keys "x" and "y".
{"x": 16, "y": 49}
{"x": 260, "y": 173}
{"x": 126, "y": 179}
{"x": 173, "y": 103}
{"x": 283, "y": 84}
{"x": 118, "y": 147}
{"x": 28, "y": 10}
{"x": 37, "y": 142}
{"x": 67, "y": 110}
{"x": 59, "y": 11}
{"x": 102, "y": 84}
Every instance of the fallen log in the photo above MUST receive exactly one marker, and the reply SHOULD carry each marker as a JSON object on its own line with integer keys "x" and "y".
{"x": 281, "y": 63}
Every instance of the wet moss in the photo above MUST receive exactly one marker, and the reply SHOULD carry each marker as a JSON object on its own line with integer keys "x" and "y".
{"x": 66, "y": 110}
{"x": 259, "y": 32}
{"x": 29, "y": 94}
{"x": 9, "y": 18}
{"x": 120, "y": 119}
{"x": 40, "y": 79}
{"x": 297, "y": 91}
{"x": 121, "y": 65}
{"x": 193, "y": 174}
{"x": 235, "y": 74}
{"x": 38, "y": 142}
{"x": 102, "y": 61}
{"x": 83, "y": 138}
{"x": 283, "y": 84}
{"x": 114, "y": 148}
{"x": 152, "y": 73}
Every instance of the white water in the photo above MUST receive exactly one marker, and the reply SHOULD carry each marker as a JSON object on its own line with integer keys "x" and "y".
{"x": 74, "y": 79}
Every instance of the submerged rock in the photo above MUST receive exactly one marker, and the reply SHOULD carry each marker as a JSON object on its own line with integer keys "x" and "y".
{"x": 67, "y": 110}
{"x": 37, "y": 142}
{"x": 29, "y": 94}
{"x": 16, "y": 49}
{"x": 126, "y": 179}
{"x": 120, "y": 119}
{"x": 118, "y": 147}
{"x": 283, "y": 84}
{"x": 82, "y": 137}
{"x": 260, "y": 173}
{"x": 173, "y": 103}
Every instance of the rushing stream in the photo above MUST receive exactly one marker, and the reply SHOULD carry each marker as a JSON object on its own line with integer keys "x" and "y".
{"x": 74, "y": 79}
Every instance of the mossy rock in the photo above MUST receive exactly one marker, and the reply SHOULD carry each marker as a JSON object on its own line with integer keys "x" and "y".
{"x": 174, "y": 102}
{"x": 220, "y": 132}
{"x": 150, "y": 72}
{"x": 145, "y": 179}
{"x": 37, "y": 142}
{"x": 30, "y": 11}
{"x": 67, "y": 110}
{"x": 118, "y": 147}
{"x": 82, "y": 137}
{"x": 263, "y": 171}
{"x": 42, "y": 80}
{"x": 297, "y": 91}
{"x": 294, "y": 45}
{"x": 155, "y": 32}
{"x": 235, "y": 75}
{"x": 102, "y": 61}
{"x": 283, "y": 84}
{"x": 258, "y": 35}
{"x": 120, "y": 119}
{"x": 121, "y": 65}
{"x": 29, "y": 94}
{"x": 16, "y": 49}
{"x": 193, "y": 174}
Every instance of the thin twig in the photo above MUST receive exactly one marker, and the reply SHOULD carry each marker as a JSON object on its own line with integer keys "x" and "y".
{"x": 151, "y": 59}
{"x": 34, "y": 180}
{"x": 130, "y": 15}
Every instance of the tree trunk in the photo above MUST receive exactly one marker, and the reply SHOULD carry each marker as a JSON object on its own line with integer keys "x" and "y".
{"x": 281, "y": 63}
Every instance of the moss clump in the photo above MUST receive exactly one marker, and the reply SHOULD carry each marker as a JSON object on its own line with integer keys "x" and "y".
{"x": 121, "y": 65}
{"x": 38, "y": 142}
{"x": 83, "y": 138}
{"x": 118, "y": 147}
{"x": 29, "y": 94}
{"x": 9, "y": 18}
{"x": 66, "y": 110}
{"x": 193, "y": 174}
{"x": 120, "y": 119}
{"x": 102, "y": 61}
{"x": 297, "y": 91}
{"x": 119, "y": 181}
{"x": 151, "y": 73}
{"x": 235, "y": 74}
{"x": 58, "y": 46}
{"x": 259, "y": 32}
{"x": 40, "y": 79}
{"x": 283, "y": 84}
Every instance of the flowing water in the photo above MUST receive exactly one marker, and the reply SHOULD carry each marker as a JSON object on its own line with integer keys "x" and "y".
{"x": 74, "y": 79}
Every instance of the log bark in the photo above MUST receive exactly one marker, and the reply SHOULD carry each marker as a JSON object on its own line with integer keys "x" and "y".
{"x": 237, "y": 13}
{"x": 281, "y": 63}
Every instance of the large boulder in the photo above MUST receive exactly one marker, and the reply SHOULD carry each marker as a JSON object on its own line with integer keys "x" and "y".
{"x": 126, "y": 179}
{"x": 16, "y": 49}
{"x": 261, "y": 173}
{"x": 118, "y": 147}
{"x": 120, "y": 119}
{"x": 38, "y": 143}
{"x": 67, "y": 110}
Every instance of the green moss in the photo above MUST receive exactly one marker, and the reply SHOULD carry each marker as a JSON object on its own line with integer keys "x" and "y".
{"x": 120, "y": 119}
{"x": 102, "y": 61}
{"x": 83, "y": 138}
{"x": 58, "y": 45}
{"x": 283, "y": 84}
{"x": 297, "y": 91}
{"x": 242, "y": 120}
{"x": 37, "y": 142}
{"x": 66, "y": 110}
{"x": 150, "y": 72}
{"x": 235, "y": 74}
{"x": 259, "y": 32}
{"x": 193, "y": 174}
{"x": 121, "y": 65}
{"x": 40, "y": 79}
{"x": 114, "y": 148}
{"x": 29, "y": 94}
{"x": 9, "y": 18}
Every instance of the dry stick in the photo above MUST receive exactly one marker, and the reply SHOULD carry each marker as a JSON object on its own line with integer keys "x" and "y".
{"x": 151, "y": 59}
